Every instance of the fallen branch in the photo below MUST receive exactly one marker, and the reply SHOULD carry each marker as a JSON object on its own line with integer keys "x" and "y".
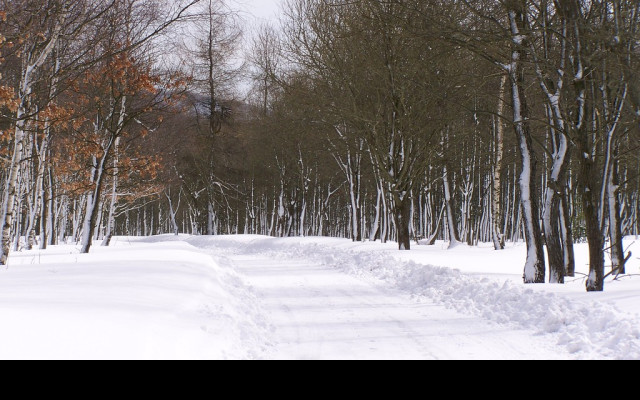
{"x": 619, "y": 277}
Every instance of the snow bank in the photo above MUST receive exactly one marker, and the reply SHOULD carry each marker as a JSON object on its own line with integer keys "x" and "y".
{"x": 133, "y": 301}
{"x": 588, "y": 329}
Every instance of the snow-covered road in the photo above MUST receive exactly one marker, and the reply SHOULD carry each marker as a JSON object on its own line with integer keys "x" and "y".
{"x": 252, "y": 297}
{"x": 320, "y": 313}
{"x": 331, "y": 298}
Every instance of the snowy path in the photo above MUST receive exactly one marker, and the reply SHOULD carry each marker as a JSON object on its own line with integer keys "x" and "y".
{"x": 321, "y": 313}
{"x": 252, "y": 297}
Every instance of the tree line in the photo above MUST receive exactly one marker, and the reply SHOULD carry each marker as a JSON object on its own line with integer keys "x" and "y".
{"x": 403, "y": 120}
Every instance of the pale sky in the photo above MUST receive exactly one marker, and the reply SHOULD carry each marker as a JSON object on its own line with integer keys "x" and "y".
{"x": 266, "y": 10}
{"x": 254, "y": 13}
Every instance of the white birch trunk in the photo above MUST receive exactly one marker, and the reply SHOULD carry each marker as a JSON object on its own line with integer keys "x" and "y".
{"x": 498, "y": 233}
{"x": 34, "y": 59}
{"x": 93, "y": 198}
{"x": 451, "y": 222}
{"x": 111, "y": 220}
{"x": 172, "y": 214}
{"x": 535, "y": 267}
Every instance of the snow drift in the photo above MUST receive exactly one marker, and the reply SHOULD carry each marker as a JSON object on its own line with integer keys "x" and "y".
{"x": 588, "y": 329}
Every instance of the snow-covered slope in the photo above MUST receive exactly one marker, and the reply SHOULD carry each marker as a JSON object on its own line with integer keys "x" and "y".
{"x": 132, "y": 301}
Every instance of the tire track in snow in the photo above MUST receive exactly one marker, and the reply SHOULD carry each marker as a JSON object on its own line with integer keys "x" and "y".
{"x": 319, "y": 312}
{"x": 589, "y": 330}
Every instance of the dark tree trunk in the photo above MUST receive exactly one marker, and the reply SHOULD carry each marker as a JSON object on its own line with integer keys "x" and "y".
{"x": 402, "y": 218}
{"x": 567, "y": 238}
{"x": 615, "y": 222}
{"x": 555, "y": 250}
{"x": 595, "y": 283}
{"x": 552, "y": 218}
{"x": 587, "y": 184}
{"x": 454, "y": 236}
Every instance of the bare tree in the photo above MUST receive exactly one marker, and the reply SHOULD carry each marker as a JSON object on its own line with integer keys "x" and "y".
{"x": 212, "y": 45}
{"x": 49, "y": 20}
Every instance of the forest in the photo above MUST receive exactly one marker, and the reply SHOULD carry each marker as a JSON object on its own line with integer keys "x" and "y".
{"x": 413, "y": 121}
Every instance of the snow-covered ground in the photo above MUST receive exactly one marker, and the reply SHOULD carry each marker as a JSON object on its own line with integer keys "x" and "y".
{"x": 239, "y": 297}
{"x": 131, "y": 301}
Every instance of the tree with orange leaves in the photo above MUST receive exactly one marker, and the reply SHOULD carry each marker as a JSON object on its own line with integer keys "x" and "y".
{"x": 35, "y": 53}
{"x": 7, "y": 96}
{"x": 122, "y": 95}
{"x": 75, "y": 74}
{"x": 6, "y": 93}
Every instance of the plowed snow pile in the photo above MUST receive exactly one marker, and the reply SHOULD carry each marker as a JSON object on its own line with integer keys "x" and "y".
{"x": 588, "y": 325}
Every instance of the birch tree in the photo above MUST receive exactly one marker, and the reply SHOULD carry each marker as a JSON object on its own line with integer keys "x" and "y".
{"x": 496, "y": 202}
{"x": 50, "y": 22}
{"x": 535, "y": 265}
{"x": 548, "y": 44}
{"x": 121, "y": 90}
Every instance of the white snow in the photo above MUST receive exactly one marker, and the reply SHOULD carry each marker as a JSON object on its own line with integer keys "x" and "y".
{"x": 604, "y": 325}
{"x": 134, "y": 301}
{"x": 246, "y": 297}
{"x": 519, "y": 39}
